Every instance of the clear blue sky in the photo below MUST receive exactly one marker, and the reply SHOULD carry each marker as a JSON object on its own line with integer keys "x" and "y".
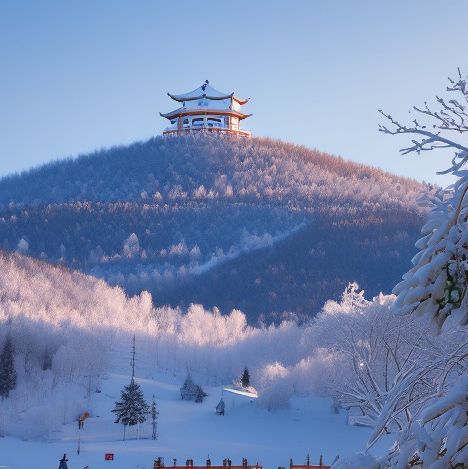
{"x": 80, "y": 75}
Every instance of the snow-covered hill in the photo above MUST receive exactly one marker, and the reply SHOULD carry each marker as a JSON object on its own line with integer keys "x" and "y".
{"x": 219, "y": 221}
{"x": 69, "y": 329}
{"x": 188, "y": 430}
{"x": 72, "y": 336}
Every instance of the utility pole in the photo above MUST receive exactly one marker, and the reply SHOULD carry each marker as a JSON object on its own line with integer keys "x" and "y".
{"x": 78, "y": 449}
{"x": 133, "y": 358}
{"x": 154, "y": 417}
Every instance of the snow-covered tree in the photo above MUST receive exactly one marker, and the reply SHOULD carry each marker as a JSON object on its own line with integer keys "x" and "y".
{"x": 7, "y": 368}
{"x": 188, "y": 391}
{"x": 436, "y": 285}
{"x": 200, "y": 394}
{"x": 220, "y": 407}
{"x": 132, "y": 408}
{"x": 438, "y": 439}
{"x": 131, "y": 246}
{"x": 436, "y": 436}
{"x": 370, "y": 352}
{"x": 191, "y": 391}
{"x": 245, "y": 378}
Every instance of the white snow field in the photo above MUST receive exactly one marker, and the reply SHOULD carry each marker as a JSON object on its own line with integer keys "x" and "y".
{"x": 191, "y": 430}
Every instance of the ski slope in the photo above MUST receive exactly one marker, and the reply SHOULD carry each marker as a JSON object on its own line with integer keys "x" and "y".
{"x": 190, "y": 430}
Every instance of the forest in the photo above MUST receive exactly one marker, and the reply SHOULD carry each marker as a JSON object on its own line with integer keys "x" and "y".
{"x": 175, "y": 216}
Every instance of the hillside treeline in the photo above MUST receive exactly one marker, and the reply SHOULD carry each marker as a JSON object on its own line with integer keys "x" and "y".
{"x": 221, "y": 221}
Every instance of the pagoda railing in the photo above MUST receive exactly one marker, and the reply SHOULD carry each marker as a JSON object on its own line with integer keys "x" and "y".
{"x": 187, "y": 130}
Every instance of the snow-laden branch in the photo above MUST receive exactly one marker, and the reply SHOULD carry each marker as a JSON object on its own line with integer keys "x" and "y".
{"x": 431, "y": 386}
{"x": 452, "y": 116}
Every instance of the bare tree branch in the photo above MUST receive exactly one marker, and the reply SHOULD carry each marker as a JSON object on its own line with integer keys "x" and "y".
{"x": 452, "y": 116}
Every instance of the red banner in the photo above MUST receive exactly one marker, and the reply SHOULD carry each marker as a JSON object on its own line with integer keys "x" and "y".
{"x": 109, "y": 457}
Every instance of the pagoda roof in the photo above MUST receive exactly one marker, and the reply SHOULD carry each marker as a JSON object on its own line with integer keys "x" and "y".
{"x": 183, "y": 111}
{"x": 206, "y": 91}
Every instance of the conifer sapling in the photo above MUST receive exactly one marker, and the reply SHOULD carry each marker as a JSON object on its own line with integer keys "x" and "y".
{"x": 132, "y": 408}
{"x": 245, "y": 379}
{"x": 7, "y": 369}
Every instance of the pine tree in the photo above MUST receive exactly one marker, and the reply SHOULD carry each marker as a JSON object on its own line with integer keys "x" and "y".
{"x": 200, "y": 394}
{"x": 220, "y": 407}
{"x": 7, "y": 369}
{"x": 188, "y": 391}
{"x": 132, "y": 408}
{"x": 191, "y": 391}
{"x": 47, "y": 360}
{"x": 245, "y": 379}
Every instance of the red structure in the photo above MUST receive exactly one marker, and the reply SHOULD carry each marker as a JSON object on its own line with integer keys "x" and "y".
{"x": 227, "y": 464}
{"x": 307, "y": 465}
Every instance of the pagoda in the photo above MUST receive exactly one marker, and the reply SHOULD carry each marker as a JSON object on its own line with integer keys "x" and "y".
{"x": 206, "y": 109}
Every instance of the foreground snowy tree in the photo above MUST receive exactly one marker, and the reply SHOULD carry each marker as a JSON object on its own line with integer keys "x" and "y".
{"x": 436, "y": 436}
{"x": 7, "y": 369}
{"x": 132, "y": 408}
{"x": 437, "y": 283}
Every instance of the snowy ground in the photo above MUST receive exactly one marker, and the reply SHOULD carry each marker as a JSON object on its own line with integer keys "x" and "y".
{"x": 189, "y": 430}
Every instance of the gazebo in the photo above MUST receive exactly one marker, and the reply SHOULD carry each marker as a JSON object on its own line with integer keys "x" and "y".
{"x": 206, "y": 109}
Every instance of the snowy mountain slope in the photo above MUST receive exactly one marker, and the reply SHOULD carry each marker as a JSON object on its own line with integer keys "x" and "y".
{"x": 300, "y": 273}
{"x": 225, "y": 166}
{"x": 178, "y": 215}
{"x": 69, "y": 329}
{"x": 72, "y": 336}
{"x": 36, "y": 292}
{"x": 189, "y": 430}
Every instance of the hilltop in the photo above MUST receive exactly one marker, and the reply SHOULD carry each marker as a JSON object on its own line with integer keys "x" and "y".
{"x": 257, "y": 224}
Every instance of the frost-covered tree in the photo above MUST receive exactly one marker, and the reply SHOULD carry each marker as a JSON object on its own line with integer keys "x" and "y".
{"x": 7, "y": 368}
{"x": 200, "y": 394}
{"x": 191, "y": 391}
{"x": 94, "y": 207}
{"x": 371, "y": 354}
{"x": 132, "y": 408}
{"x": 436, "y": 436}
{"x": 245, "y": 378}
{"x": 436, "y": 285}
{"x": 188, "y": 391}
{"x": 220, "y": 407}
{"x": 131, "y": 246}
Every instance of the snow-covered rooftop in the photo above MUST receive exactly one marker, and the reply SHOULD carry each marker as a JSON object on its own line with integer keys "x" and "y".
{"x": 205, "y": 91}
